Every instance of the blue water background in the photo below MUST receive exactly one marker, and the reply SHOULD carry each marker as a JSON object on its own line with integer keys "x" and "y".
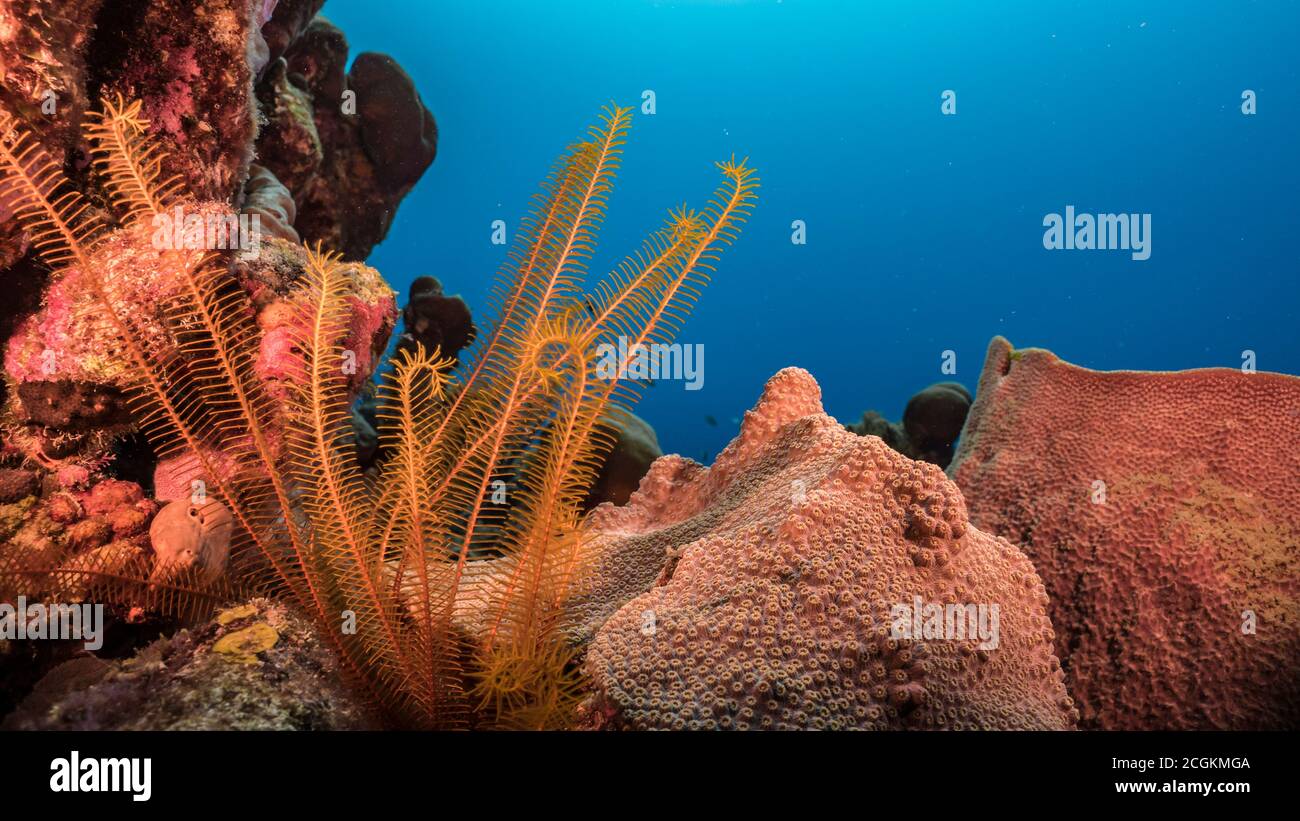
{"x": 924, "y": 231}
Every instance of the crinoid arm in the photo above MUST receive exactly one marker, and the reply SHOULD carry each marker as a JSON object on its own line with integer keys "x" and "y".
{"x": 540, "y": 565}
{"x": 129, "y": 163}
{"x": 63, "y": 225}
{"x": 441, "y": 578}
{"x": 411, "y": 403}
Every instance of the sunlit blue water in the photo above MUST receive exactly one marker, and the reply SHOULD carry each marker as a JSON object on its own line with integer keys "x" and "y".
{"x": 924, "y": 231}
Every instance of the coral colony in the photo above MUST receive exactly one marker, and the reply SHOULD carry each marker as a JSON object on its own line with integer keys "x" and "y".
{"x": 445, "y": 602}
{"x": 209, "y": 446}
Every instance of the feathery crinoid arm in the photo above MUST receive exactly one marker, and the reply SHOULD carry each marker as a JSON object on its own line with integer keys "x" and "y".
{"x": 199, "y": 401}
{"x": 547, "y": 260}
{"x": 546, "y": 267}
{"x": 410, "y": 407}
{"x": 643, "y": 301}
{"x": 63, "y": 225}
{"x": 648, "y": 310}
{"x": 619, "y": 303}
{"x": 569, "y": 457}
{"x": 504, "y": 405}
{"x": 335, "y": 498}
{"x": 491, "y": 428}
{"x": 656, "y": 295}
{"x": 581, "y": 217}
{"x": 513, "y": 300}
{"x": 209, "y": 407}
{"x": 526, "y": 677}
{"x": 716, "y": 227}
{"x": 129, "y": 163}
{"x": 703, "y": 237}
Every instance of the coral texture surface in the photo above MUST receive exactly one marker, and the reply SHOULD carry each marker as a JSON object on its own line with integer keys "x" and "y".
{"x": 1163, "y": 513}
{"x": 760, "y": 592}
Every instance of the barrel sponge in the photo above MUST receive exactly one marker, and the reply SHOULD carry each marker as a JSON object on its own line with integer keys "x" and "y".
{"x": 1162, "y": 510}
{"x": 759, "y": 592}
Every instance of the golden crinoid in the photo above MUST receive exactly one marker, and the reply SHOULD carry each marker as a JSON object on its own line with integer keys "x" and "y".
{"x": 442, "y": 580}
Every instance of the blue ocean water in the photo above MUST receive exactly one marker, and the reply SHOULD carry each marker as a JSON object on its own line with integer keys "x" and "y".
{"x": 924, "y": 231}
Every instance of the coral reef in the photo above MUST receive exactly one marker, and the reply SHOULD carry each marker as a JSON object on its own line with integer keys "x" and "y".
{"x": 436, "y": 321}
{"x": 186, "y": 427}
{"x": 213, "y": 80}
{"x": 932, "y": 421}
{"x": 244, "y": 390}
{"x": 349, "y": 144}
{"x": 48, "y": 534}
{"x": 42, "y": 76}
{"x": 1161, "y": 510}
{"x": 256, "y": 666}
{"x": 192, "y": 66}
{"x": 760, "y": 592}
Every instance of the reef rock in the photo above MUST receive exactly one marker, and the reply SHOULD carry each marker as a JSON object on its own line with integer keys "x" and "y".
{"x": 931, "y": 424}
{"x": 635, "y": 449}
{"x": 767, "y": 591}
{"x": 1163, "y": 513}
{"x": 348, "y": 144}
{"x": 257, "y": 666}
{"x": 435, "y": 321}
{"x": 193, "y": 65}
{"x": 43, "y": 79}
{"x": 288, "y": 20}
{"x": 51, "y": 533}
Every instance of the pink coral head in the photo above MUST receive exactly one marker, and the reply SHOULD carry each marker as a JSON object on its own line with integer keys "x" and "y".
{"x": 368, "y": 331}
{"x": 773, "y": 578}
{"x": 73, "y": 476}
{"x": 1163, "y": 513}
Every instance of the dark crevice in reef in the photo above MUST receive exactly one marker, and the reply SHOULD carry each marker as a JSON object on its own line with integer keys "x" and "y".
{"x": 24, "y": 285}
{"x": 113, "y": 40}
{"x": 134, "y": 460}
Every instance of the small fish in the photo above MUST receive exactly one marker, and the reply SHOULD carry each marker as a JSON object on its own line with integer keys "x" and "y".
{"x": 710, "y": 421}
